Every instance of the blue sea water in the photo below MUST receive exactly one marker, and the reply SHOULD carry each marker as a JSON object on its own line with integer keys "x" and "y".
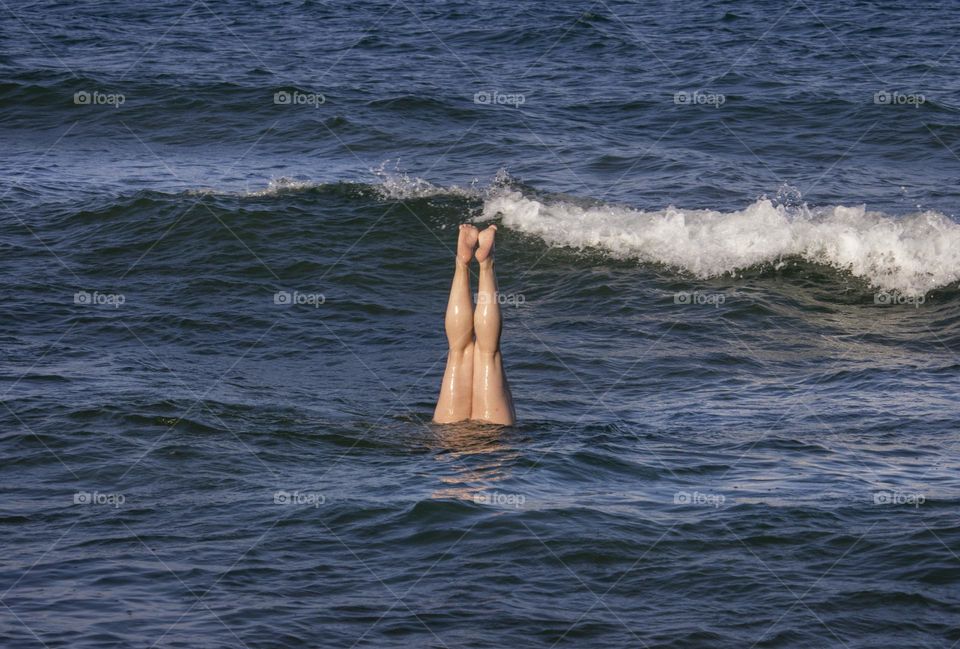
{"x": 729, "y": 258}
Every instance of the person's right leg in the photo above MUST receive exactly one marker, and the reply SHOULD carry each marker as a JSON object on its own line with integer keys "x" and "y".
{"x": 492, "y": 401}
{"x": 456, "y": 391}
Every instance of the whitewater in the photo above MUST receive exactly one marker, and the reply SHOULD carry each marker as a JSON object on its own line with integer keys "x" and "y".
{"x": 912, "y": 254}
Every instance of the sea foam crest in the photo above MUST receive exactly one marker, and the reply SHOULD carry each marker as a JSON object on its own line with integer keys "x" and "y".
{"x": 398, "y": 185}
{"x": 911, "y": 254}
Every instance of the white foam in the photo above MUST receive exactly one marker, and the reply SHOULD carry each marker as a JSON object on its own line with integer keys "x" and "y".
{"x": 911, "y": 254}
{"x": 397, "y": 185}
{"x": 282, "y": 185}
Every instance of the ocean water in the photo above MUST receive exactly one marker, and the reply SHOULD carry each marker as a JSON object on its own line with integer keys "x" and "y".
{"x": 729, "y": 256}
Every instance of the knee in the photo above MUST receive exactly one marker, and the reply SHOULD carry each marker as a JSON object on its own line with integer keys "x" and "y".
{"x": 464, "y": 347}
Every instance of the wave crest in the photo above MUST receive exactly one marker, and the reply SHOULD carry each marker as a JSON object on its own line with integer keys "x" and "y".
{"x": 912, "y": 254}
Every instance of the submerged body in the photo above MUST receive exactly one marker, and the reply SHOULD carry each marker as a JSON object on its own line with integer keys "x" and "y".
{"x": 474, "y": 384}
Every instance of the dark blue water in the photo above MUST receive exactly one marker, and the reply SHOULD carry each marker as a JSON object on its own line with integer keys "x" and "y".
{"x": 729, "y": 257}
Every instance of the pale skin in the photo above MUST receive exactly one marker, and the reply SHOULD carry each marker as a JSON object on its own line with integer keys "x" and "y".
{"x": 474, "y": 384}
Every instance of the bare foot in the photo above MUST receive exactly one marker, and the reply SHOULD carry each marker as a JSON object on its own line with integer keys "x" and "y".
{"x": 485, "y": 249}
{"x": 466, "y": 243}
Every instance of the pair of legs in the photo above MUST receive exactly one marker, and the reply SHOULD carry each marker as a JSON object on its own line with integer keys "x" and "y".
{"x": 474, "y": 384}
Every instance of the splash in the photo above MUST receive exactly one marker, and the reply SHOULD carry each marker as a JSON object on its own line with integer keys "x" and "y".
{"x": 912, "y": 254}
{"x": 399, "y": 185}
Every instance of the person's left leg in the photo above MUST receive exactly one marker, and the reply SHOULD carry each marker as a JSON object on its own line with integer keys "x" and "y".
{"x": 492, "y": 401}
{"x": 456, "y": 392}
